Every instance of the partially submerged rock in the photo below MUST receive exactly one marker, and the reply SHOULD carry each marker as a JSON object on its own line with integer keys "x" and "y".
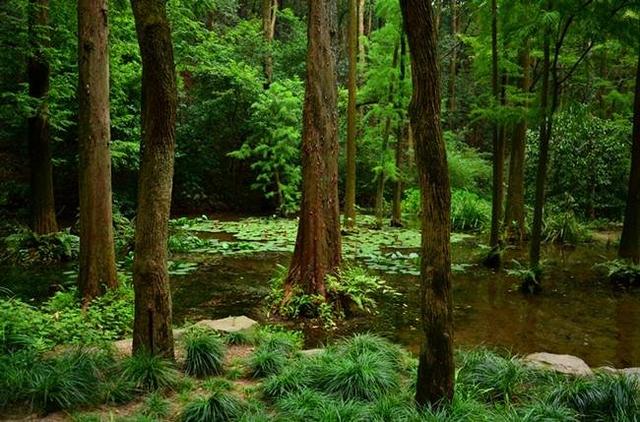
{"x": 565, "y": 364}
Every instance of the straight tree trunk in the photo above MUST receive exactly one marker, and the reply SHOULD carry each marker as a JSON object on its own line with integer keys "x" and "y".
{"x": 318, "y": 248}
{"x": 498, "y": 150}
{"x": 350, "y": 190}
{"x": 401, "y": 143}
{"x": 362, "y": 55}
{"x": 630, "y": 239}
{"x": 435, "y": 383}
{"x": 514, "y": 212}
{"x": 97, "y": 253}
{"x": 269, "y": 12}
{"x": 43, "y": 212}
{"x": 453, "y": 63}
{"x": 536, "y": 228}
{"x": 152, "y": 330}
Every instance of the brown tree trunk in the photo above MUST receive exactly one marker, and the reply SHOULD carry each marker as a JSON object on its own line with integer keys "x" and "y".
{"x": 401, "y": 144}
{"x": 362, "y": 55}
{"x": 97, "y": 254}
{"x": 269, "y": 12}
{"x": 630, "y": 240}
{"x": 514, "y": 212}
{"x": 152, "y": 330}
{"x": 43, "y": 212}
{"x": 436, "y": 367}
{"x": 350, "y": 189}
{"x": 493, "y": 260}
{"x": 318, "y": 245}
{"x": 543, "y": 159}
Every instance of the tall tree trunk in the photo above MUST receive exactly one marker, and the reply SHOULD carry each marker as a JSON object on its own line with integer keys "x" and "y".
{"x": 269, "y": 12}
{"x": 43, "y": 212}
{"x": 97, "y": 254}
{"x": 630, "y": 240}
{"x": 350, "y": 190}
{"x": 536, "y": 228}
{"x": 514, "y": 213}
{"x": 494, "y": 258}
{"x": 453, "y": 63}
{"x": 386, "y": 132}
{"x": 362, "y": 55}
{"x": 401, "y": 143}
{"x": 436, "y": 367}
{"x": 152, "y": 330}
{"x": 318, "y": 245}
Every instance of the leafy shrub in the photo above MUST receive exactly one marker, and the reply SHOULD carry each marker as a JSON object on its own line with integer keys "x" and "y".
{"x": 205, "y": 353}
{"x": 149, "y": 372}
{"x": 220, "y": 406}
{"x": 562, "y": 226}
{"x": 621, "y": 272}
{"x": 469, "y": 212}
{"x": 27, "y": 248}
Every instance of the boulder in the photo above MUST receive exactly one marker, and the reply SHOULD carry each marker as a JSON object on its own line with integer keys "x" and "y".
{"x": 565, "y": 364}
{"x": 311, "y": 352}
{"x": 228, "y": 325}
{"x": 631, "y": 373}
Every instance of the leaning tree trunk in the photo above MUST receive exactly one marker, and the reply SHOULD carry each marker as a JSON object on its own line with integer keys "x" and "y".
{"x": 269, "y": 12}
{"x": 43, "y": 212}
{"x": 152, "y": 330}
{"x": 630, "y": 240}
{"x": 350, "y": 188}
{"x": 97, "y": 254}
{"x": 494, "y": 259}
{"x": 317, "y": 251}
{"x": 514, "y": 212}
{"x": 436, "y": 367}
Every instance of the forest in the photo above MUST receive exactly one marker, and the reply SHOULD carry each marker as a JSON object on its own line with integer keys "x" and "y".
{"x": 321, "y": 210}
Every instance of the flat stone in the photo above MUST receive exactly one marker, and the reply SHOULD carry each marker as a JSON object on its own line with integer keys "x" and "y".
{"x": 124, "y": 346}
{"x": 228, "y": 325}
{"x": 311, "y": 352}
{"x": 565, "y": 364}
{"x": 631, "y": 372}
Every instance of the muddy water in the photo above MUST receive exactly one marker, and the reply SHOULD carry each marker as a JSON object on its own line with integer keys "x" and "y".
{"x": 578, "y": 313}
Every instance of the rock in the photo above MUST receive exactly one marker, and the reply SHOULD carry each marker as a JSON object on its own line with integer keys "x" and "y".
{"x": 631, "y": 373}
{"x": 229, "y": 324}
{"x": 565, "y": 364}
{"x": 606, "y": 370}
{"x": 124, "y": 346}
{"x": 311, "y": 352}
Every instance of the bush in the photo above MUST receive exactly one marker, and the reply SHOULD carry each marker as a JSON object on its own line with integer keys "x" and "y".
{"x": 469, "y": 212}
{"x": 220, "y": 406}
{"x": 294, "y": 378}
{"x": 149, "y": 372}
{"x": 155, "y": 406}
{"x": 264, "y": 362}
{"x": 28, "y": 248}
{"x": 621, "y": 272}
{"x": 205, "y": 353}
{"x": 562, "y": 226}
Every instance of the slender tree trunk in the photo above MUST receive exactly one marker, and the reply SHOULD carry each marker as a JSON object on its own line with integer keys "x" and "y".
{"x": 152, "y": 330}
{"x": 436, "y": 367}
{"x": 493, "y": 260}
{"x": 401, "y": 143}
{"x": 453, "y": 63}
{"x": 536, "y": 228}
{"x": 350, "y": 190}
{"x": 43, "y": 212}
{"x": 514, "y": 213}
{"x": 318, "y": 245}
{"x": 386, "y": 132}
{"x": 630, "y": 240}
{"x": 269, "y": 12}
{"x": 97, "y": 254}
{"x": 362, "y": 55}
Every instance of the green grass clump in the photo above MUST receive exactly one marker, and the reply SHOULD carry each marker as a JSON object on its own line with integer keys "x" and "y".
{"x": 544, "y": 411}
{"x": 310, "y": 405}
{"x": 364, "y": 343}
{"x": 603, "y": 397}
{"x": 149, "y": 372}
{"x": 397, "y": 407}
{"x": 156, "y": 406}
{"x": 469, "y": 212}
{"x": 220, "y": 406}
{"x": 286, "y": 342}
{"x": 205, "y": 353}
{"x": 292, "y": 379}
{"x": 238, "y": 338}
{"x": 265, "y": 362}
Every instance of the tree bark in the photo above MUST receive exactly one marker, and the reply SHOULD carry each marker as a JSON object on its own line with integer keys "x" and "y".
{"x": 498, "y": 149}
{"x": 436, "y": 367}
{"x": 97, "y": 253}
{"x": 269, "y": 12}
{"x": 43, "y": 212}
{"x": 401, "y": 143}
{"x": 152, "y": 330}
{"x": 350, "y": 189}
{"x": 514, "y": 212}
{"x": 453, "y": 63}
{"x": 317, "y": 251}
{"x": 543, "y": 159}
{"x": 630, "y": 239}
{"x": 362, "y": 55}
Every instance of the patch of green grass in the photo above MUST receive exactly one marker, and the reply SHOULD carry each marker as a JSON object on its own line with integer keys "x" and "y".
{"x": 217, "y": 384}
{"x": 150, "y": 372}
{"x": 156, "y": 406}
{"x": 220, "y": 406}
{"x": 265, "y": 362}
{"x": 292, "y": 379}
{"x": 205, "y": 353}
